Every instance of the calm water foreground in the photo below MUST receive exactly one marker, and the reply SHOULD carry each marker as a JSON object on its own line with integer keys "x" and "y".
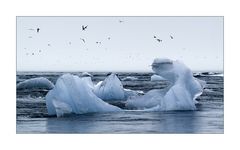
{"x": 32, "y": 115}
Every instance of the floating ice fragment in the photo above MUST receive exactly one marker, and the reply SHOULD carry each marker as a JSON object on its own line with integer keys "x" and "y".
{"x": 35, "y": 83}
{"x": 129, "y": 79}
{"x": 156, "y": 78}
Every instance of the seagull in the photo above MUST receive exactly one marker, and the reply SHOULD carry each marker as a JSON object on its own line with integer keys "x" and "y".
{"x": 82, "y": 40}
{"x": 49, "y": 44}
{"x": 38, "y": 30}
{"x": 98, "y": 42}
{"x": 84, "y": 27}
{"x": 159, "y": 40}
{"x": 108, "y": 38}
{"x": 32, "y": 53}
{"x": 154, "y": 37}
{"x": 120, "y": 21}
{"x": 39, "y": 51}
{"x": 171, "y": 37}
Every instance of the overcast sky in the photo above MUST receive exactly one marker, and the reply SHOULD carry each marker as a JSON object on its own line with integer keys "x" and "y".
{"x": 127, "y": 43}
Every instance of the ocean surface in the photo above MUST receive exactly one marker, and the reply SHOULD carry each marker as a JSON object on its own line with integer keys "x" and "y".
{"x": 32, "y": 114}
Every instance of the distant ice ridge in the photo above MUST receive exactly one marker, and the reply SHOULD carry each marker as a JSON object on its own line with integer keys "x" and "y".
{"x": 181, "y": 93}
{"x": 86, "y": 74}
{"x": 129, "y": 79}
{"x": 218, "y": 74}
{"x": 72, "y": 94}
{"x": 35, "y": 83}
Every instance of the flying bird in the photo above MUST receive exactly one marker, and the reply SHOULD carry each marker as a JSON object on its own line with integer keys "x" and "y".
{"x": 154, "y": 37}
{"x": 32, "y": 53}
{"x": 159, "y": 40}
{"x": 82, "y": 40}
{"x": 98, "y": 42}
{"x": 171, "y": 37}
{"x": 84, "y": 27}
{"x": 49, "y": 44}
{"x": 39, "y": 51}
{"x": 120, "y": 21}
{"x": 109, "y": 38}
{"x": 38, "y": 30}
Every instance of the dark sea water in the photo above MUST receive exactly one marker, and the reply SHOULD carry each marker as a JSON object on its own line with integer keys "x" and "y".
{"x": 32, "y": 114}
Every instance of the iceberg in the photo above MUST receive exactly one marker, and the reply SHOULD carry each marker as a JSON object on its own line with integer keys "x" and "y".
{"x": 35, "y": 83}
{"x": 156, "y": 78}
{"x": 181, "y": 93}
{"x": 111, "y": 89}
{"x": 72, "y": 94}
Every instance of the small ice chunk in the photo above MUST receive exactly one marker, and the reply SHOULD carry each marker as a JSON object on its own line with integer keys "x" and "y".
{"x": 131, "y": 93}
{"x": 35, "y": 83}
{"x": 86, "y": 74}
{"x": 129, "y": 79}
{"x": 156, "y": 78}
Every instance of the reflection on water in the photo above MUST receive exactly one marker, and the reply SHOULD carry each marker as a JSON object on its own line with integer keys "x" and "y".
{"x": 129, "y": 122}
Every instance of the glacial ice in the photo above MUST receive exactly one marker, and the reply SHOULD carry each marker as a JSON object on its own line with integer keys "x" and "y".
{"x": 181, "y": 93}
{"x": 72, "y": 94}
{"x": 35, "y": 83}
{"x": 110, "y": 89}
{"x": 156, "y": 78}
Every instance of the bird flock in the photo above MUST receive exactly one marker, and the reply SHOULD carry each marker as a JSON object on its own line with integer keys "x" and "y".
{"x": 84, "y": 28}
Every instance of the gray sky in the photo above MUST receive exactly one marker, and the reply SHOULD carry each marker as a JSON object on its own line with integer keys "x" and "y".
{"x": 197, "y": 41}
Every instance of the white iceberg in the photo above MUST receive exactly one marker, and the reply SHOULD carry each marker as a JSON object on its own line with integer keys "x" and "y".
{"x": 181, "y": 93}
{"x": 129, "y": 79}
{"x": 72, "y": 94}
{"x": 35, "y": 83}
{"x": 156, "y": 78}
{"x": 110, "y": 89}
